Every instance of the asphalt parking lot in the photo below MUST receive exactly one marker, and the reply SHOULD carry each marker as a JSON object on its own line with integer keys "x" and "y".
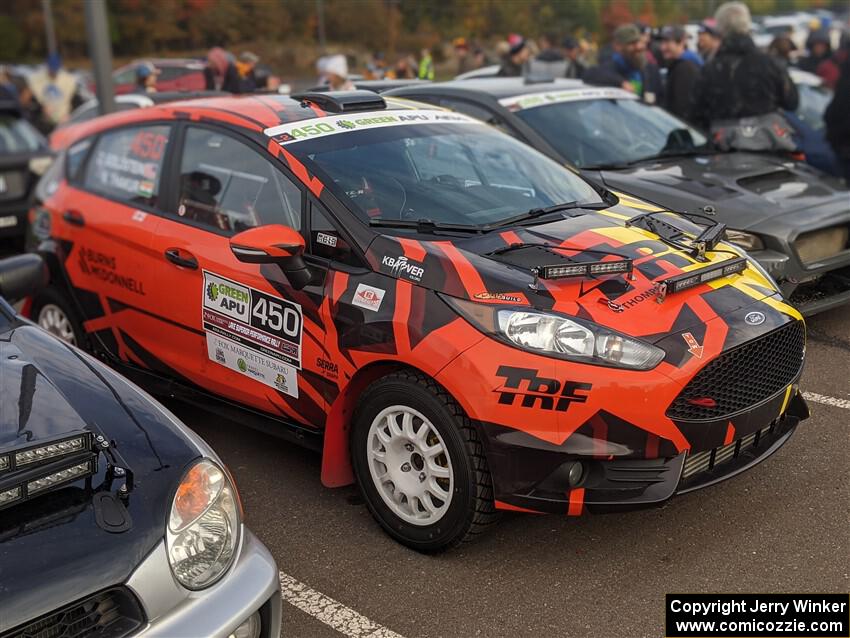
{"x": 782, "y": 527}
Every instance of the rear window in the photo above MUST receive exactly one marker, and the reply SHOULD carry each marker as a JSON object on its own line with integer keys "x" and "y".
{"x": 19, "y": 136}
{"x": 127, "y": 164}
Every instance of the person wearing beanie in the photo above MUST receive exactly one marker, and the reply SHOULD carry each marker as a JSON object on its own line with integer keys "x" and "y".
{"x": 708, "y": 39}
{"x": 740, "y": 82}
{"x": 629, "y": 67}
{"x": 516, "y": 60}
{"x": 146, "y": 76}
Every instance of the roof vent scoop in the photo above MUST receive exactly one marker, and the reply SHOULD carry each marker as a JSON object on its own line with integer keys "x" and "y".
{"x": 343, "y": 101}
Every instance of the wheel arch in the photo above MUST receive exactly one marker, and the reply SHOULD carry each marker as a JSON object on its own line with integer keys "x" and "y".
{"x": 336, "y": 457}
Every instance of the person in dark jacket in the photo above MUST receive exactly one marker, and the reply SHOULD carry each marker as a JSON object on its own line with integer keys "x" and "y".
{"x": 837, "y": 120}
{"x": 515, "y": 63}
{"x": 820, "y": 49}
{"x": 628, "y": 67}
{"x": 220, "y": 72}
{"x": 740, "y": 81}
{"x": 682, "y": 73}
{"x": 572, "y": 53}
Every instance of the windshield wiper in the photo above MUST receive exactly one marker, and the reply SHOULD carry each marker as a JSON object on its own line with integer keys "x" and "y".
{"x": 426, "y": 225}
{"x": 534, "y": 213}
{"x": 613, "y": 166}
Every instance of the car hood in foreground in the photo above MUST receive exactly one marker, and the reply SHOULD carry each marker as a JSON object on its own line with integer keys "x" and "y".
{"x": 746, "y": 190}
{"x": 479, "y": 268}
{"x": 52, "y": 550}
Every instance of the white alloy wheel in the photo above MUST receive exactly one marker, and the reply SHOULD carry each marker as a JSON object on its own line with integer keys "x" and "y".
{"x": 410, "y": 465}
{"x": 53, "y": 319}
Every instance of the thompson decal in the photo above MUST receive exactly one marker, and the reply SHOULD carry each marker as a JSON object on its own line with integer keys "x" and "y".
{"x": 368, "y": 297}
{"x": 535, "y": 391}
{"x": 402, "y": 267}
{"x": 254, "y": 365}
{"x": 265, "y": 323}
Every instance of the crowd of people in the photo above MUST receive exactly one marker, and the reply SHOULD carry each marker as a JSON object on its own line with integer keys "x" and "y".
{"x": 728, "y": 86}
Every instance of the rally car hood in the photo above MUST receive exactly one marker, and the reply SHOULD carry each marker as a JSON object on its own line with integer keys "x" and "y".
{"x": 747, "y": 191}
{"x": 478, "y": 268}
{"x": 52, "y": 549}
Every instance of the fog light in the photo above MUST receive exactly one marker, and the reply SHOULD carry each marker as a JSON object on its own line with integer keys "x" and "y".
{"x": 575, "y": 474}
{"x": 248, "y": 629}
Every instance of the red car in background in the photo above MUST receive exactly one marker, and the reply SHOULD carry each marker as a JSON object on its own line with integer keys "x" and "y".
{"x": 176, "y": 74}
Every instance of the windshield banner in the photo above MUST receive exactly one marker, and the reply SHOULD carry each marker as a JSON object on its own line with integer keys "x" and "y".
{"x": 321, "y": 127}
{"x": 528, "y": 101}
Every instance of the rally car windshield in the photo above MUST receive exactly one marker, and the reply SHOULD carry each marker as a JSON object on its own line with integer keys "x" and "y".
{"x": 604, "y": 132}
{"x": 465, "y": 174}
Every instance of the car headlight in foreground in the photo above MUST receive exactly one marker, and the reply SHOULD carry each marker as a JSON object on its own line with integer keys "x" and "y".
{"x": 204, "y": 526}
{"x": 747, "y": 241}
{"x": 559, "y": 336}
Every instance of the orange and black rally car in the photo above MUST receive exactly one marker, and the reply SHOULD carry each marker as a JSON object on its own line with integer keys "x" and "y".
{"x": 459, "y": 323}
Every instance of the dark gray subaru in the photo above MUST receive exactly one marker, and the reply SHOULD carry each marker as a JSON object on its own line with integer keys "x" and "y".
{"x": 792, "y": 218}
{"x": 115, "y": 519}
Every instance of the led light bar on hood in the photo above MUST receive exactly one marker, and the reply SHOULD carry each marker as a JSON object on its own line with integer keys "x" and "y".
{"x": 693, "y": 278}
{"x": 586, "y": 269}
{"x": 28, "y": 471}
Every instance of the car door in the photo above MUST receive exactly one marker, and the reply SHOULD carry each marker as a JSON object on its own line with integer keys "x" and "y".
{"x": 238, "y": 330}
{"x": 106, "y": 215}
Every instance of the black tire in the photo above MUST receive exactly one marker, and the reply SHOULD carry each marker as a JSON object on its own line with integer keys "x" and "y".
{"x": 52, "y": 296}
{"x": 471, "y": 510}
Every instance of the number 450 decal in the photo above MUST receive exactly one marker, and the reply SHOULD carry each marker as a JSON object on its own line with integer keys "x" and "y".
{"x": 276, "y": 316}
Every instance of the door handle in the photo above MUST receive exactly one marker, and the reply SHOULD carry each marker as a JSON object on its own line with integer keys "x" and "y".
{"x": 181, "y": 258}
{"x": 74, "y": 217}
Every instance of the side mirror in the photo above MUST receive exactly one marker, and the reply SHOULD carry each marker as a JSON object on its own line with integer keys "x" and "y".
{"x": 274, "y": 244}
{"x": 22, "y": 276}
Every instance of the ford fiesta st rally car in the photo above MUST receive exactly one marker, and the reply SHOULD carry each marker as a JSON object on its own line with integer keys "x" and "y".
{"x": 460, "y": 324}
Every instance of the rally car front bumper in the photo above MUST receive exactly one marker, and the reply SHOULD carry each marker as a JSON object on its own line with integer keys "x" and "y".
{"x": 534, "y": 476}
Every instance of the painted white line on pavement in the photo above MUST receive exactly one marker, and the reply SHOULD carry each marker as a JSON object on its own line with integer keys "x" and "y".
{"x": 822, "y": 398}
{"x": 332, "y": 613}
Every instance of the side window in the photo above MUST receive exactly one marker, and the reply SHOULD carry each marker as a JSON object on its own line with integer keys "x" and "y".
{"x": 126, "y": 164}
{"x": 227, "y": 185}
{"x": 74, "y": 158}
{"x": 326, "y": 241}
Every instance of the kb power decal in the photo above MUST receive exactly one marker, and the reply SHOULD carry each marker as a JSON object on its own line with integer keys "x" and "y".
{"x": 261, "y": 322}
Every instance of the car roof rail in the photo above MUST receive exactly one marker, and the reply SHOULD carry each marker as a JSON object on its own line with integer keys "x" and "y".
{"x": 343, "y": 101}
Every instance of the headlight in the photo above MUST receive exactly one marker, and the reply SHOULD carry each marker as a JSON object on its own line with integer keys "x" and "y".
{"x": 39, "y": 165}
{"x": 203, "y": 526}
{"x": 559, "y": 336}
{"x": 747, "y": 241}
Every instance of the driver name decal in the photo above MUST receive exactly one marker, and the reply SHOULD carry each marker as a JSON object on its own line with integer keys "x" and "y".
{"x": 256, "y": 320}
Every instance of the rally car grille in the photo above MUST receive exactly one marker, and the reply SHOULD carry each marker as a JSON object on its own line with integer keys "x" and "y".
{"x": 113, "y": 613}
{"x": 743, "y": 376}
{"x": 709, "y": 459}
